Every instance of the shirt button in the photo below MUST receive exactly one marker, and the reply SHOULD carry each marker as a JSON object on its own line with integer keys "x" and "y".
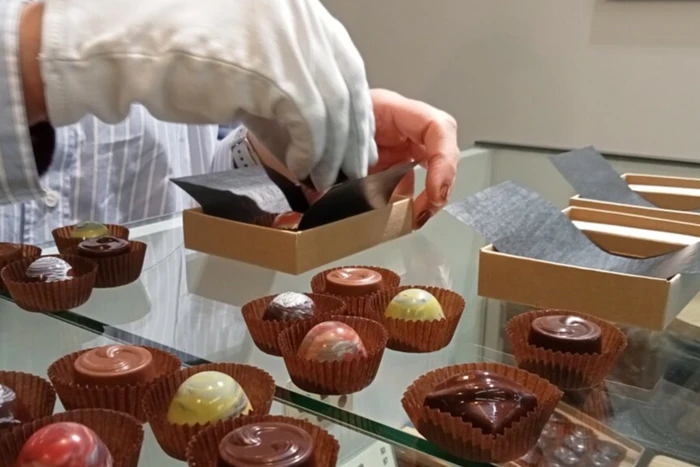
{"x": 51, "y": 199}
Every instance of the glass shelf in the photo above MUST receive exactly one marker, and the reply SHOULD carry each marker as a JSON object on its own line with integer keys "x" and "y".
{"x": 189, "y": 303}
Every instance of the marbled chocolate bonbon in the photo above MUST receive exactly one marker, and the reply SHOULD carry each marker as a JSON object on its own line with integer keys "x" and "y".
{"x": 353, "y": 282}
{"x": 13, "y": 412}
{"x": 565, "y": 334}
{"x": 415, "y": 305}
{"x": 64, "y": 444}
{"x": 488, "y": 401}
{"x": 115, "y": 365}
{"x": 10, "y": 252}
{"x": 103, "y": 247}
{"x": 88, "y": 229}
{"x": 206, "y": 397}
{"x": 331, "y": 341}
{"x": 289, "y": 306}
{"x": 287, "y": 220}
{"x": 50, "y": 269}
{"x": 271, "y": 444}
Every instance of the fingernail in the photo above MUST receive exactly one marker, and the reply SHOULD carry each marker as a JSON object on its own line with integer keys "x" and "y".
{"x": 423, "y": 217}
{"x": 445, "y": 192}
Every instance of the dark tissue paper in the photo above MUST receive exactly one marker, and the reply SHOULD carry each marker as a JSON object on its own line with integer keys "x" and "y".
{"x": 520, "y": 222}
{"x": 594, "y": 178}
{"x": 244, "y": 195}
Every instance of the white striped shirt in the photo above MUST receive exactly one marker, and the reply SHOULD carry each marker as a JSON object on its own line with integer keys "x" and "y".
{"x": 108, "y": 173}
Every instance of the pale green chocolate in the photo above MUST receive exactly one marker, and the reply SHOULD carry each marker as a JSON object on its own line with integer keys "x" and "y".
{"x": 89, "y": 229}
{"x": 415, "y": 305}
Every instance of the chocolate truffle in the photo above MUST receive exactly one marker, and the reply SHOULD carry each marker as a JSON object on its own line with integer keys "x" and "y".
{"x": 10, "y": 252}
{"x": 206, "y": 397}
{"x": 102, "y": 247}
{"x": 289, "y": 306}
{"x": 353, "y": 282}
{"x": 50, "y": 269}
{"x": 114, "y": 365}
{"x": 331, "y": 341}
{"x": 12, "y": 411}
{"x": 64, "y": 444}
{"x": 415, "y": 305}
{"x": 271, "y": 444}
{"x": 486, "y": 400}
{"x": 565, "y": 334}
{"x": 287, "y": 220}
{"x": 89, "y": 229}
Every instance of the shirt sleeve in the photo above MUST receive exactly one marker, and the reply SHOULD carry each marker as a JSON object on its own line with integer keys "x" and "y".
{"x": 19, "y": 175}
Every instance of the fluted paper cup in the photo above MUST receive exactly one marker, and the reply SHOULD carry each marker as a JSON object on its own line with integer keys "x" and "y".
{"x": 28, "y": 251}
{"x": 334, "y": 377}
{"x": 203, "y": 449}
{"x": 265, "y": 333}
{"x": 565, "y": 369}
{"x": 121, "y": 433}
{"x": 461, "y": 438}
{"x": 173, "y": 438}
{"x": 35, "y": 393}
{"x": 117, "y": 270}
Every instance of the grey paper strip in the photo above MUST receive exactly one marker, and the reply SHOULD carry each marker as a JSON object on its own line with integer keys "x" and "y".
{"x": 593, "y": 177}
{"x": 522, "y": 223}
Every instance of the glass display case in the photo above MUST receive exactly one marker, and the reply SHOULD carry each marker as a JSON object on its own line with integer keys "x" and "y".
{"x": 189, "y": 304}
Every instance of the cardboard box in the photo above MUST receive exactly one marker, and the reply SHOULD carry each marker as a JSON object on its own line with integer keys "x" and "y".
{"x": 623, "y": 298}
{"x": 675, "y": 197}
{"x": 296, "y": 252}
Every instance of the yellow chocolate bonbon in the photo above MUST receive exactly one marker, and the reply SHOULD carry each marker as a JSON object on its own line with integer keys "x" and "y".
{"x": 415, "y": 305}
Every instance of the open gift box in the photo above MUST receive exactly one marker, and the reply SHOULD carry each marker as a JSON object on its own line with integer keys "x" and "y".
{"x": 623, "y": 298}
{"x": 675, "y": 197}
{"x": 350, "y": 217}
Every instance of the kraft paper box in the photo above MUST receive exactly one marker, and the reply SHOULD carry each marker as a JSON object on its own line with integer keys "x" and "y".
{"x": 647, "y": 302}
{"x": 296, "y": 252}
{"x": 237, "y": 208}
{"x": 675, "y": 198}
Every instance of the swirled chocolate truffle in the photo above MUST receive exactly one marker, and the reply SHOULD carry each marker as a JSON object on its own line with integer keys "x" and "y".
{"x": 415, "y": 305}
{"x": 206, "y": 397}
{"x": 270, "y": 444}
{"x": 89, "y": 229}
{"x": 10, "y": 252}
{"x": 115, "y": 365}
{"x": 487, "y": 401}
{"x": 565, "y": 334}
{"x": 353, "y": 282}
{"x": 12, "y": 411}
{"x": 64, "y": 444}
{"x": 50, "y": 269}
{"x": 331, "y": 341}
{"x": 289, "y": 306}
{"x": 103, "y": 247}
{"x": 287, "y": 220}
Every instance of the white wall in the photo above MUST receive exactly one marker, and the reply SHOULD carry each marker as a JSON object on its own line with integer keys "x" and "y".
{"x": 623, "y": 75}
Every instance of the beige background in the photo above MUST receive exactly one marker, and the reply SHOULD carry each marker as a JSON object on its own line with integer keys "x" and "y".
{"x": 623, "y": 75}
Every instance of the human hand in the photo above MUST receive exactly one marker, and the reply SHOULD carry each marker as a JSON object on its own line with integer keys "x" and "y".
{"x": 288, "y": 70}
{"x": 410, "y": 130}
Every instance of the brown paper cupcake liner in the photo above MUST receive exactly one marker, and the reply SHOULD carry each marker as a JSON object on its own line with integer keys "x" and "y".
{"x": 564, "y": 369}
{"x": 127, "y": 399}
{"x": 337, "y": 377}
{"x": 265, "y": 333}
{"x": 64, "y": 241}
{"x": 34, "y": 392}
{"x": 203, "y": 449}
{"x": 421, "y": 336}
{"x": 594, "y": 402}
{"x": 28, "y": 251}
{"x": 361, "y": 306}
{"x": 121, "y": 433}
{"x": 47, "y": 297}
{"x": 463, "y": 440}
{"x": 119, "y": 270}
{"x": 256, "y": 383}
